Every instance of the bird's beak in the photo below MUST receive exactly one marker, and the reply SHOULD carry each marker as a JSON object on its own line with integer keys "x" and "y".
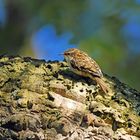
{"x": 61, "y": 53}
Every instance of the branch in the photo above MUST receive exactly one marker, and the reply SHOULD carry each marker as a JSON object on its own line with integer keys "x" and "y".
{"x": 45, "y": 100}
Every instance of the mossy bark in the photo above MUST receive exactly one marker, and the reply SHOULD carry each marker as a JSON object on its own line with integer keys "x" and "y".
{"x": 45, "y": 100}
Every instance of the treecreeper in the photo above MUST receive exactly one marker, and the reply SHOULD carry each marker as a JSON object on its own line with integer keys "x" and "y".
{"x": 83, "y": 65}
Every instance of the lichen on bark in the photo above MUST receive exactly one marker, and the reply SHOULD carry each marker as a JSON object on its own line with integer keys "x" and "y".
{"x": 46, "y": 100}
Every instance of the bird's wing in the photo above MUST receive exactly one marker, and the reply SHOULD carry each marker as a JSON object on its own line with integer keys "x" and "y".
{"x": 87, "y": 64}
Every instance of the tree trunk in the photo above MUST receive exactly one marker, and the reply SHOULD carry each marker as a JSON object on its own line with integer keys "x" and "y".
{"x": 46, "y": 101}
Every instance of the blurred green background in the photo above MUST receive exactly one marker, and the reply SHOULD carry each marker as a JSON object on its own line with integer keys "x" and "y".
{"x": 108, "y": 30}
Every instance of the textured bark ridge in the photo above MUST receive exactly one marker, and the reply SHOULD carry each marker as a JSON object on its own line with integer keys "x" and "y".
{"x": 46, "y": 101}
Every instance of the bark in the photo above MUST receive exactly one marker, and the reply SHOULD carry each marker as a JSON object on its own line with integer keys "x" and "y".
{"x": 42, "y": 100}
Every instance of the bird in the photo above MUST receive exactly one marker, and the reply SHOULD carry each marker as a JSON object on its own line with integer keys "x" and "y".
{"x": 83, "y": 65}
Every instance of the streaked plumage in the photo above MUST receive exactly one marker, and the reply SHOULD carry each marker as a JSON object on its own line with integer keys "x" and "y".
{"x": 82, "y": 64}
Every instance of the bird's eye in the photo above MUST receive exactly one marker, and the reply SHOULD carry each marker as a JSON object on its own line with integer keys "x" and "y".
{"x": 67, "y": 53}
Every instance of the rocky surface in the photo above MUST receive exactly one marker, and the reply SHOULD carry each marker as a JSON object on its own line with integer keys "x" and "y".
{"x": 46, "y": 101}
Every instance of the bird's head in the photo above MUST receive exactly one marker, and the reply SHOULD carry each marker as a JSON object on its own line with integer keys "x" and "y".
{"x": 70, "y": 53}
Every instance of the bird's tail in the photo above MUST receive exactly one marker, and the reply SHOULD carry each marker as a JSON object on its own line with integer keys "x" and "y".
{"x": 102, "y": 84}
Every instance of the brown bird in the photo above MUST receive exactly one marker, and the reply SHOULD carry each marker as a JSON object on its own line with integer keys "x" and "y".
{"x": 81, "y": 64}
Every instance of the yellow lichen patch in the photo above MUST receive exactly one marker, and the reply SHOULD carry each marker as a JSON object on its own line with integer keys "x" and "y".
{"x": 5, "y": 97}
{"x": 36, "y": 70}
{"x": 26, "y": 96}
{"x": 4, "y": 59}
